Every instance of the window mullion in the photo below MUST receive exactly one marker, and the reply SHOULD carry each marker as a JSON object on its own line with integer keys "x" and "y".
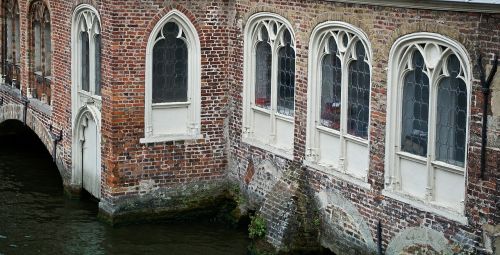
{"x": 343, "y": 110}
{"x": 274, "y": 89}
{"x": 431, "y": 144}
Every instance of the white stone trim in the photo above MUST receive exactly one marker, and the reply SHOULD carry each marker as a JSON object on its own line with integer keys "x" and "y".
{"x": 171, "y": 138}
{"x": 250, "y": 33}
{"x": 318, "y": 40}
{"x": 425, "y": 206}
{"x": 194, "y": 78}
{"x": 400, "y": 52}
{"x": 88, "y": 14}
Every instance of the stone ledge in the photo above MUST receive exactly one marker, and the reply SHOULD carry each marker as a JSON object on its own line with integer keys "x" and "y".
{"x": 180, "y": 203}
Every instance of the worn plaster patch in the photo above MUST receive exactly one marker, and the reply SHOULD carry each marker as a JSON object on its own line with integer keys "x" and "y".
{"x": 334, "y": 208}
{"x": 419, "y": 236}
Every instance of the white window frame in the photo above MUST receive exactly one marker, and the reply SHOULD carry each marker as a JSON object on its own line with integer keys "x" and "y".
{"x": 88, "y": 14}
{"x": 398, "y": 58}
{"x": 254, "y": 23}
{"x": 192, "y": 130}
{"x": 318, "y": 42}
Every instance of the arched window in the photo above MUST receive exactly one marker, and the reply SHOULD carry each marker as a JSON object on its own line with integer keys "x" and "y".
{"x": 429, "y": 88}
{"x": 173, "y": 59}
{"x": 269, "y": 83}
{"x": 41, "y": 50}
{"x": 87, "y": 52}
{"x": 339, "y": 100}
{"x": 11, "y": 43}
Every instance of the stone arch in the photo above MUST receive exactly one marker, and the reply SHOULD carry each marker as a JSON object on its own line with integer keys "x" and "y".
{"x": 416, "y": 237}
{"x": 416, "y": 27}
{"x": 16, "y": 112}
{"x": 342, "y": 224}
{"x": 89, "y": 112}
{"x": 363, "y": 25}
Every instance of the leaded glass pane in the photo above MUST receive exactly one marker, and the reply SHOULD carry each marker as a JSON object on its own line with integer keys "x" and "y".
{"x": 358, "y": 103}
{"x": 331, "y": 77}
{"x": 286, "y": 76}
{"x": 451, "y": 116}
{"x": 263, "y": 72}
{"x": 85, "y": 58}
{"x": 415, "y": 108}
{"x": 170, "y": 67}
{"x": 97, "y": 45}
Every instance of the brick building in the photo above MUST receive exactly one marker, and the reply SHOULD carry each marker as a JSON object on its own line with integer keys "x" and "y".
{"x": 339, "y": 121}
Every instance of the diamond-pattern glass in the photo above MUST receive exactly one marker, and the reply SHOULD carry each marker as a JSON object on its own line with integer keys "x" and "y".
{"x": 84, "y": 37}
{"x": 170, "y": 67}
{"x": 358, "y": 103}
{"x": 415, "y": 108}
{"x": 451, "y": 116}
{"x": 286, "y": 76}
{"x": 331, "y": 78}
{"x": 263, "y": 72}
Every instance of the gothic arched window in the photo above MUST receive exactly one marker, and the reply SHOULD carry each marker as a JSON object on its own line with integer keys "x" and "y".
{"x": 173, "y": 95}
{"x": 11, "y": 44}
{"x": 339, "y": 100}
{"x": 269, "y": 83}
{"x": 41, "y": 50}
{"x": 427, "y": 119}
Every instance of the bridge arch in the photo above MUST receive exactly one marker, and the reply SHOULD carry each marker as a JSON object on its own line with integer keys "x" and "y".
{"x": 16, "y": 112}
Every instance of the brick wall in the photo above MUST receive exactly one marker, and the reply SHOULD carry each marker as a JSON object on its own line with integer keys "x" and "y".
{"x": 139, "y": 176}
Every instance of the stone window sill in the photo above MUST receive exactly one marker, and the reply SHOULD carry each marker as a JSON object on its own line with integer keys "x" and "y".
{"x": 331, "y": 171}
{"x": 268, "y": 147}
{"x": 449, "y": 213}
{"x": 170, "y": 138}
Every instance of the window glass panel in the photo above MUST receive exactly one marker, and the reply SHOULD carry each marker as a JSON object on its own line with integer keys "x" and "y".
{"x": 85, "y": 64}
{"x": 451, "y": 116}
{"x": 286, "y": 76}
{"x": 38, "y": 46}
{"x": 358, "y": 94}
{"x": 415, "y": 108}
{"x": 263, "y": 72}
{"x": 97, "y": 45}
{"x": 331, "y": 77}
{"x": 17, "y": 41}
{"x": 9, "y": 26}
{"x": 47, "y": 49}
{"x": 170, "y": 62}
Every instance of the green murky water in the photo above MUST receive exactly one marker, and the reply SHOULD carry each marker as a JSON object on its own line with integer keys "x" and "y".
{"x": 36, "y": 218}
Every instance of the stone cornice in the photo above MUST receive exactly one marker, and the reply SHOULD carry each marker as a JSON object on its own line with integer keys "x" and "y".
{"x": 484, "y": 6}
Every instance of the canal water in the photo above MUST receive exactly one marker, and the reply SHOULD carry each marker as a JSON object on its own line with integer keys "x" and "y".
{"x": 36, "y": 218}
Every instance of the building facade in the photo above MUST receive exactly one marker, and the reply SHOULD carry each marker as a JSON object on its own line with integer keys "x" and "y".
{"x": 352, "y": 125}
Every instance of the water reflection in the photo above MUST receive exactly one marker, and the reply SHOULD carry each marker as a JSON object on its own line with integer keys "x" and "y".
{"x": 35, "y": 217}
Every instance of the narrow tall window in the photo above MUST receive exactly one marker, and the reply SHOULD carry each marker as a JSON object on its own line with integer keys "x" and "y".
{"x": 85, "y": 65}
{"x": 286, "y": 76}
{"x": 11, "y": 43}
{"x": 339, "y": 100}
{"x": 41, "y": 53}
{"x": 173, "y": 93}
{"x": 270, "y": 83}
{"x": 263, "y": 71}
{"x": 97, "y": 58}
{"x": 87, "y": 53}
{"x": 415, "y": 108}
{"x": 427, "y": 120}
